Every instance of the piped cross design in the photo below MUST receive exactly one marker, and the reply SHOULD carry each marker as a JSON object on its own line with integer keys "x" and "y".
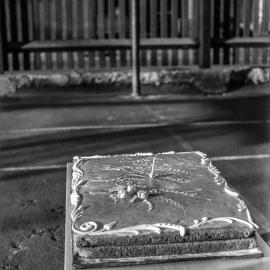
{"x": 127, "y": 189}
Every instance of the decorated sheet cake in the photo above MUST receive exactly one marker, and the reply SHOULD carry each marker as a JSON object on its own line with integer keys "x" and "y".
{"x": 151, "y": 208}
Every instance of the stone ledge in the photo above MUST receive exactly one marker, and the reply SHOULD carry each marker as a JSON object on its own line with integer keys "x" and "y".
{"x": 209, "y": 81}
{"x": 7, "y": 85}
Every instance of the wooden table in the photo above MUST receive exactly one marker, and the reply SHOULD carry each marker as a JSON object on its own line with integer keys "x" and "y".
{"x": 220, "y": 264}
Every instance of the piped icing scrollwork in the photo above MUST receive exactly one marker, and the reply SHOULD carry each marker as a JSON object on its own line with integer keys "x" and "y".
{"x": 90, "y": 228}
{"x": 241, "y": 205}
{"x": 230, "y": 220}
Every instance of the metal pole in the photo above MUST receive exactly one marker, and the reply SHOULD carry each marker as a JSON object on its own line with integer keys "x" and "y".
{"x": 135, "y": 48}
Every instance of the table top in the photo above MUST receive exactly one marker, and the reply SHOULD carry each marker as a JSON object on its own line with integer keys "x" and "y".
{"x": 262, "y": 263}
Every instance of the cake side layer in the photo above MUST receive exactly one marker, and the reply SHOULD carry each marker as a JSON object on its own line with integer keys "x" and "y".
{"x": 165, "y": 237}
{"x": 89, "y": 192}
{"x": 103, "y": 252}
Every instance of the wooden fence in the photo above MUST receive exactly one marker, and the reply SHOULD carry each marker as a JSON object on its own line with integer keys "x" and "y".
{"x": 85, "y": 34}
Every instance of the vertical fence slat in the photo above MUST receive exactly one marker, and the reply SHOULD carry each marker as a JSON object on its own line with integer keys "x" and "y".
{"x": 191, "y": 29}
{"x": 30, "y": 31}
{"x": 85, "y": 30}
{"x": 19, "y": 31}
{"x": 69, "y": 30}
{"x": 216, "y": 31}
{"x": 75, "y": 31}
{"x": 3, "y": 38}
{"x": 195, "y": 28}
{"x": 153, "y": 29}
{"x": 101, "y": 19}
{"x": 164, "y": 18}
{"x": 63, "y": 31}
{"x": 123, "y": 25}
{"x": 58, "y": 31}
{"x": 53, "y": 31}
{"x": 42, "y": 32}
{"x": 247, "y": 12}
{"x": 36, "y": 33}
{"x": 75, "y": 19}
{"x": 174, "y": 30}
{"x": 221, "y": 30}
{"x": 111, "y": 29}
{"x": 48, "y": 34}
{"x": 237, "y": 29}
{"x": 25, "y": 31}
{"x": 54, "y": 14}
{"x": 255, "y": 20}
{"x": 143, "y": 30}
{"x": 265, "y": 30}
{"x": 92, "y": 28}
{"x": 164, "y": 28}
{"x": 111, "y": 19}
{"x": 80, "y": 31}
{"x": 205, "y": 42}
{"x": 231, "y": 50}
{"x": 226, "y": 30}
{"x": 184, "y": 20}
{"x": 14, "y": 32}
{"x": 8, "y": 32}
{"x": 101, "y": 29}
{"x": 8, "y": 20}
{"x": 266, "y": 18}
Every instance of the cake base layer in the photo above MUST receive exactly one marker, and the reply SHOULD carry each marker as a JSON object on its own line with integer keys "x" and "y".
{"x": 118, "y": 255}
{"x": 79, "y": 263}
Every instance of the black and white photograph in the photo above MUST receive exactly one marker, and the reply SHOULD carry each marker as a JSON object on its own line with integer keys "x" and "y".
{"x": 135, "y": 134}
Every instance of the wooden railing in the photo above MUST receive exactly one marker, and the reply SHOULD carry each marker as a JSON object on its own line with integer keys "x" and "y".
{"x": 85, "y": 34}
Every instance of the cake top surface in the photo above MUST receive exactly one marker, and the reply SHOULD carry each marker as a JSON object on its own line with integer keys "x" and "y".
{"x": 146, "y": 193}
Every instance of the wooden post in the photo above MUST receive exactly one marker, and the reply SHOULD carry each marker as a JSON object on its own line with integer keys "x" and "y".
{"x": 205, "y": 34}
{"x": 1, "y": 37}
{"x": 135, "y": 48}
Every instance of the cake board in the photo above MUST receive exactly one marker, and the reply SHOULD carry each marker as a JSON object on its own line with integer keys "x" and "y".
{"x": 215, "y": 261}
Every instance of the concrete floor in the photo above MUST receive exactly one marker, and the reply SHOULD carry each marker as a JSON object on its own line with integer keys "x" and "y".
{"x": 37, "y": 142}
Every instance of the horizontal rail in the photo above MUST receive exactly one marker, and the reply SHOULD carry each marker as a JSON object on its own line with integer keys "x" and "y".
{"x": 146, "y": 43}
{"x": 100, "y": 44}
{"x": 251, "y": 42}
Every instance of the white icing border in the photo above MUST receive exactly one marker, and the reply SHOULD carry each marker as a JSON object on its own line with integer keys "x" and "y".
{"x": 241, "y": 205}
{"x": 77, "y": 176}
